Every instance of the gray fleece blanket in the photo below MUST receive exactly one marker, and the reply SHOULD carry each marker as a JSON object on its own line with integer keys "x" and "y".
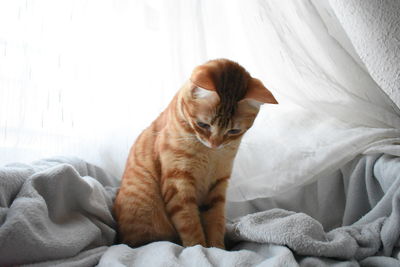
{"x": 58, "y": 212}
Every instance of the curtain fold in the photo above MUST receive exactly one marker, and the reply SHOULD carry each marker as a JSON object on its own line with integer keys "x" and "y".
{"x": 84, "y": 78}
{"x": 330, "y": 111}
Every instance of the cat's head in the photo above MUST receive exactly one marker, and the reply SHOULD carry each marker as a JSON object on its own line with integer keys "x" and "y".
{"x": 222, "y": 101}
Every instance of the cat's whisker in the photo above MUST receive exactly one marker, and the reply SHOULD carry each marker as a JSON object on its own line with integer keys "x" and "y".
{"x": 187, "y": 138}
{"x": 193, "y": 137}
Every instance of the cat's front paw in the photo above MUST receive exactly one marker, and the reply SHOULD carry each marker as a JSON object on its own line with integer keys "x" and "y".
{"x": 191, "y": 243}
{"x": 220, "y": 245}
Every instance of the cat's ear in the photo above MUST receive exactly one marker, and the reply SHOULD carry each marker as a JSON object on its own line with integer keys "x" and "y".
{"x": 202, "y": 77}
{"x": 257, "y": 92}
{"x": 199, "y": 92}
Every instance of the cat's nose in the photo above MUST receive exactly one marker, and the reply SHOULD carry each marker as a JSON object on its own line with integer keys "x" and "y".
{"x": 215, "y": 144}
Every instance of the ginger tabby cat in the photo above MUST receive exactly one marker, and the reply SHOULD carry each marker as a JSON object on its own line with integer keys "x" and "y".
{"x": 177, "y": 172}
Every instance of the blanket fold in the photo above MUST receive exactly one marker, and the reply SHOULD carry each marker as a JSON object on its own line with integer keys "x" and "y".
{"x": 52, "y": 210}
{"x": 306, "y": 236}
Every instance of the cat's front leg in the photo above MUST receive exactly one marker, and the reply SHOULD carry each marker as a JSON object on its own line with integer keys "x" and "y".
{"x": 213, "y": 215}
{"x": 181, "y": 206}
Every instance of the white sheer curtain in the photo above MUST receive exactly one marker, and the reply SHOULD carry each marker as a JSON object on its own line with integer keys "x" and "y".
{"x": 78, "y": 78}
{"x": 84, "y": 78}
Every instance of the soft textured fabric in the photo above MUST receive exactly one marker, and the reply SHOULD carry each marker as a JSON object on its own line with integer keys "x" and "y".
{"x": 306, "y": 236}
{"x": 357, "y": 205}
{"x": 58, "y": 212}
{"x": 169, "y": 254}
{"x": 54, "y": 209}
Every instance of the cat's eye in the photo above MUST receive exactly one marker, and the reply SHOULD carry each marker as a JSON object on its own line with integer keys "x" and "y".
{"x": 234, "y": 131}
{"x": 203, "y": 125}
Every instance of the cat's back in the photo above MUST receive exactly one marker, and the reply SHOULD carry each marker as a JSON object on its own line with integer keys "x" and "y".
{"x": 139, "y": 207}
{"x": 144, "y": 152}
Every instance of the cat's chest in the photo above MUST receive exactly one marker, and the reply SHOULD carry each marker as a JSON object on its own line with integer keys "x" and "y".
{"x": 204, "y": 180}
{"x": 212, "y": 168}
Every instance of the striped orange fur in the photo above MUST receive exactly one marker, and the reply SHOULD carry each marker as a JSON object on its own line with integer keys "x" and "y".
{"x": 175, "y": 179}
